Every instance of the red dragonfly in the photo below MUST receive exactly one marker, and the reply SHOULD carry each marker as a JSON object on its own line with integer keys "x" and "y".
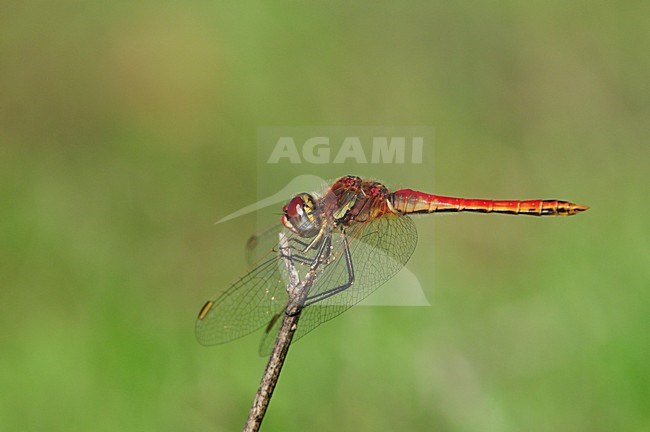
{"x": 357, "y": 234}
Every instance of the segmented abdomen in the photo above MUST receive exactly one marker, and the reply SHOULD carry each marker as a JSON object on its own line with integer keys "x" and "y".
{"x": 408, "y": 201}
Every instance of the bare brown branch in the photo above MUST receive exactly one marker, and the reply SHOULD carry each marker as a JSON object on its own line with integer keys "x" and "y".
{"x": 297, "y": 291}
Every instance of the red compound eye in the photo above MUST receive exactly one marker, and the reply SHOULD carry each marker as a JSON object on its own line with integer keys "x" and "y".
{"x": 299, "y": 216}
{"x": 294, "y": 206}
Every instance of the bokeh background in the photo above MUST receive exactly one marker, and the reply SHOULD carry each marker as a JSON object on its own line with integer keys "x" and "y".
{"x": 127, "y": 129}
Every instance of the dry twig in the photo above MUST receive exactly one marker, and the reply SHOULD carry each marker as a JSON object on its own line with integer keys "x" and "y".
{"x": 297, "y": 292}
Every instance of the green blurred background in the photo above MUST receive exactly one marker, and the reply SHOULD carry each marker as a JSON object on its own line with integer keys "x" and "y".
{"x": 127, "y": 129}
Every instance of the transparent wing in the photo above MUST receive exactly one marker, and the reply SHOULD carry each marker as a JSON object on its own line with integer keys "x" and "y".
{"x": 262, "y": 245}
{"x": 245, "y": 306}
{"x": 254, "y": 300}
{"x": 379, "y": 250}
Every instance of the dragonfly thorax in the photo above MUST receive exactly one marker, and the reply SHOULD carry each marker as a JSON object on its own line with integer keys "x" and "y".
{"x": 300, "y": 216}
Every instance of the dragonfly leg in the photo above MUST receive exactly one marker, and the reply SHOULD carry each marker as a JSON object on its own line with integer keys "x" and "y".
{"x": 300, "y": 242}
{"x": 298, "y": 258}
{"x": 321, "y": 255}
{"x": 302, "y": 260}
{"x": 330, "y": 292}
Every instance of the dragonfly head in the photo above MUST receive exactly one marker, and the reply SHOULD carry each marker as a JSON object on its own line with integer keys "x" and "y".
{"x": 299, "y": 216}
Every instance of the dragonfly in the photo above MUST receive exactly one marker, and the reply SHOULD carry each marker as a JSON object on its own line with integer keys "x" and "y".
{"x": 355, "y": 236}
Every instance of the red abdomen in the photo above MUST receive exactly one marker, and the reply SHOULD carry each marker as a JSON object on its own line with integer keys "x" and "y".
{"x": 408, "y": 201}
